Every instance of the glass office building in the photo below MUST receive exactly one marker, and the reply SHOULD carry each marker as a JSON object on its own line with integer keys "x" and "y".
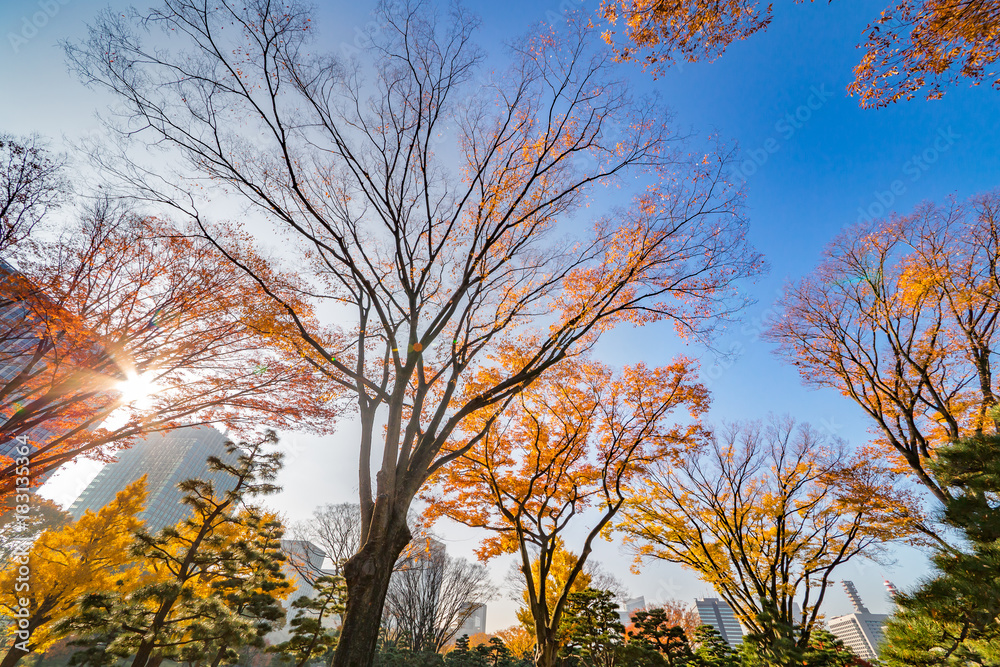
{"x": 718, "y": 614}
{"x": 166, "y": 459}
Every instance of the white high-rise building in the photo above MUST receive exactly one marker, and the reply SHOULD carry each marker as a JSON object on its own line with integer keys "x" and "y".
{"x": 632, "y": 605}
{"x": 861, "y": 631}
{"x": 718, "y": 614}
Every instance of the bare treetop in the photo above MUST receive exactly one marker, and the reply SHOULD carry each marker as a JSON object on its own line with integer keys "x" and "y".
{"x": 443, "y": 212}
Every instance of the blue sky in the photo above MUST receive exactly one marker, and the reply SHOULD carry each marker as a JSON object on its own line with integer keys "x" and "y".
{"x": 814, "y": 161}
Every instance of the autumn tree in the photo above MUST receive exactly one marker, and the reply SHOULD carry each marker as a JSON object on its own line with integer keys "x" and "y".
{"x": 121, "y": 302}
{"x": 432, "y": 594}
{"x": 33, "y": 183}
{"x": 766, "y": 514}
{"x": 88, "y": 555}
{"x": 430, "y": 206}
{"x": 175, "y": 611}
{"x": 561, "y": 567}
{"x": 912, "y": 45}
{"x": 928, "y": 44}
{"x": 518, "y": 639}
{"x": 902, "y": 316}
{"x": 577, "y": 440}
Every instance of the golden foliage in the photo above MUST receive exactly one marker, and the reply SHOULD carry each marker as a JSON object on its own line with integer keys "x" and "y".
{"x": 928, "y": 44}
{"x": 557, "y": 580}
{"x": 574, "y": 443}
{"x": 768, "y": 512}
{"x": 88, "y": 555}
{"x": 518, "y": 639}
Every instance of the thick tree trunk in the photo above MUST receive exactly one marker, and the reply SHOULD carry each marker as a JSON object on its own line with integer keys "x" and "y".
{"x": 13, "y": 655}
{"x": 367, "y": 575}
{"x": 547, "y": 654}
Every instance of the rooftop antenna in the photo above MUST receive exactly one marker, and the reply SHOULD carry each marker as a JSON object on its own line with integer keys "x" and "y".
{"x": 852, "y": 593}
{"x": 892, "y": 589}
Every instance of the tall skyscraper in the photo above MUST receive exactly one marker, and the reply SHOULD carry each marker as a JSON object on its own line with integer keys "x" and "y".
{"x": 861, "y": 631}
{"x": 166, "y": 459}
{"x": 718, "y": 614}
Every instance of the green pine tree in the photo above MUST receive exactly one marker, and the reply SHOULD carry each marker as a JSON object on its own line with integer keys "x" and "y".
{"x": 175, "y": 615}
{"x": 592, "y": 632}
{"x": 252, "y": 587}
{"x": 464, "y": 656}
{"x": 952, "y": 618}
{"x": 309, "y": 637}
{"x": 711, "y": 650}
{"x": 653, "y": 632}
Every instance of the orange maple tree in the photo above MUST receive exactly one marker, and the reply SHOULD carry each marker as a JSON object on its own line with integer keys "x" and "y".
{"x": 912, "y": 45}
{"x": 571, "y": 445}
{"x": 121, "y": 296}
{"x": 902, "y": 316}
{"x": 439, "y": 214}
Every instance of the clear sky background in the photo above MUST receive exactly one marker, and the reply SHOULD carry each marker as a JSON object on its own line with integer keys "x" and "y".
{"x": 829, "y": 163}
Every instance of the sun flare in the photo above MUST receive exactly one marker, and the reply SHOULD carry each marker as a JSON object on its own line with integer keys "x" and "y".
{"x": 137, "y": 390}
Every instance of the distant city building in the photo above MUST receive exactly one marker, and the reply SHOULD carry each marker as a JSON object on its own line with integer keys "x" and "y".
{"x": 303, "y": 565}
{"x": 631, "y": 606}
{"x": 475, "y": 623}
{"x": 861, "y": 631}
{"x": 19, "y": 340}
{"x": 166, "y": 459}
{"x": 718, "y": 614}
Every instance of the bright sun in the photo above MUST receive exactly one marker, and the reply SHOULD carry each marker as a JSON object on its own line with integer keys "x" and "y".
{"x": 137, "y": 389}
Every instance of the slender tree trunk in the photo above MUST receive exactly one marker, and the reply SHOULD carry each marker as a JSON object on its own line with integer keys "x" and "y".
{"x": 144, "y": 654}
{"x": 367, "y": 576}
{"x": 219, "y": 655}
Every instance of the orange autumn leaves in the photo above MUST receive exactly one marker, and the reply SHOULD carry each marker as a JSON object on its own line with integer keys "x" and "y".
{"x": 902, "y": 317}
{"x": 127, "y": 295}
{"x": 912, "y": 45}
{"x": 573, "y": 440}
